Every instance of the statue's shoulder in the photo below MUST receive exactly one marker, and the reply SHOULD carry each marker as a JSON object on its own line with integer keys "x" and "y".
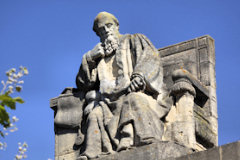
{"x": 133, "y": 37}
{"x": 139, "y": 38}
{"x": 139, "y": 35}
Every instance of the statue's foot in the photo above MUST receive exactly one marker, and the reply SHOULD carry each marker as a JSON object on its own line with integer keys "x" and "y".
{"x": 87, "y": 155}
{"x": 82, "y": 158}
{"x": 125, "y": 144}
{"x": 147, "y": 141}
{"x": 109, "y": 152}
{"x": 115, "y": 142}
{"x": 104, "y": 154}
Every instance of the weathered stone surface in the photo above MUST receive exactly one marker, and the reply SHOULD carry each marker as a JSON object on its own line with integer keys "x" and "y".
{"x": 230, "y": 151}
{"x": 67, "y": 117}
{"x": 204, "y": 131}
{"x": 156, "y": 151}
{"x": 198, "y": 57}
{"x": 64, "y": 142}
{"x": 122, "y": 102}
{"x": 180, "y": 123}
{"x": 67, "y": 156}
{"x": 68, "y": 108}
{"x": 226, "y": 152}
{"x": 126, "y": 72}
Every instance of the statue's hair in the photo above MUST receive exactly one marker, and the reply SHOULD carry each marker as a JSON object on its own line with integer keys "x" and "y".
{"x": 102, "y": 15}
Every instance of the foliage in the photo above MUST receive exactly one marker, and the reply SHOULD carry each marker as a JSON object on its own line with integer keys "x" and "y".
{"x": 12, "y": 84}
{"x": 22, "y": 148}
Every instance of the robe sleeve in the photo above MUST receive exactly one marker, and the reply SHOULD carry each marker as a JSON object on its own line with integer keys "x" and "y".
{"x": 147, "y": 63}
{"x": 87, "y": 75}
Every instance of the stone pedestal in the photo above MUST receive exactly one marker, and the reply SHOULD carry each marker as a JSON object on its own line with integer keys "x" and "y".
{"x": 156, "y": 151}
{"x": 171, "y": 151}
{"x": 197, "y": 56}
{"x": 226, "y": 152}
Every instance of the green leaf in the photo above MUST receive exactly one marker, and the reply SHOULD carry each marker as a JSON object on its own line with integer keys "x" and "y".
{"x": 8, "y": 101}
{"x": 18, "y": 88}
{"x": 1, "y": 133}
{"x": 4, "y": 117}
{"x": 19, "y": 100}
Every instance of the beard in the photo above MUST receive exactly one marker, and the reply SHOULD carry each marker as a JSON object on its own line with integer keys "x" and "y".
{"x": 110, "y": 44}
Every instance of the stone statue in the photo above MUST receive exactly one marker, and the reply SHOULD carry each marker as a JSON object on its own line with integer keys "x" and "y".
{"x": 130, "y": 96}
{"x": 123, "y": 81}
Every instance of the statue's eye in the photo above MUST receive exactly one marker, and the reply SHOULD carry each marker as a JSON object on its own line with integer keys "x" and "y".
{"x": 101, "y": 29}
{"x": 109, "y": 25}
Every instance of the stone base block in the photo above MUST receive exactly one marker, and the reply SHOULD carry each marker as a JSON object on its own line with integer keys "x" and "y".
{"x": 172, "y": 151}
{"x": 226, "y": 152}
{"x": 156, "y": 151}
{"x": 69, "y": 156}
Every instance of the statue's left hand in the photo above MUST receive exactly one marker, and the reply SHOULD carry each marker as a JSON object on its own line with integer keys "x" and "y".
{"x": 137, "y": 84}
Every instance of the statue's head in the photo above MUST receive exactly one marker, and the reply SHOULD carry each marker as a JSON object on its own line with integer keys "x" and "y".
{"x": 106, "y": 24}
{"x": 107, "y": 28}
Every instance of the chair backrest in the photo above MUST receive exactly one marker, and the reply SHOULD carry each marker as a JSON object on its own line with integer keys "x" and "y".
{"x": 198, "y": 57}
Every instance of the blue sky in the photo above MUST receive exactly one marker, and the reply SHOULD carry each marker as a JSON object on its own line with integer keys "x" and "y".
{"x": 49, "y": 37}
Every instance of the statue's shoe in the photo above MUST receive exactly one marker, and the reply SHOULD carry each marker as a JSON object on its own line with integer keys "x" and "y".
{"x": 125, "y": 144}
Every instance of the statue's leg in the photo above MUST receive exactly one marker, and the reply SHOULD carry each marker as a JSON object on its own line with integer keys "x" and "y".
{"x": 106, "y": 144}
{"x": 93, "y": 136}
{"x": 126, "y": 140}
{"x": 137, "y": 109}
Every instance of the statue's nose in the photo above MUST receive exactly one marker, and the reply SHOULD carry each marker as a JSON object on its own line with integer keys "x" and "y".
{"x": 106, "y": 29}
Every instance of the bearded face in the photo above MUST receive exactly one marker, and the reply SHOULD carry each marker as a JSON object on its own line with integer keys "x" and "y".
{"x": 110, "y": 44}
{"x": 109, "y": 36}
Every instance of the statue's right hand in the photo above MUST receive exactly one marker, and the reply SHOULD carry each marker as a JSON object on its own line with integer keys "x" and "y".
{"x": 89, "y": 108}
{"x": 137, "y": 84}
{"x": 97, "y": 52}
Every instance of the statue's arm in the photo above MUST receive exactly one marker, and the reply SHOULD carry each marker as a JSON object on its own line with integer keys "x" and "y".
{"x": 95, "y": 54}
{"x": 147, "y": 63}
{"x": 87, "y": 75}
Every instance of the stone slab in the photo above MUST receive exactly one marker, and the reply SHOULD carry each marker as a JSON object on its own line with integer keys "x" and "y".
{"x": 156, "y": 151}
{"x": 226, "y": 152}
{"x": 231, "y": 151}
{"x": 171, "y": 151}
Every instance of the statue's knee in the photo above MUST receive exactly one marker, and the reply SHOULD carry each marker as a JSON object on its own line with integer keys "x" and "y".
{"x": 96, "y": 112}
{"x": 137, "y": 99}
{"x": 134, "y": 95}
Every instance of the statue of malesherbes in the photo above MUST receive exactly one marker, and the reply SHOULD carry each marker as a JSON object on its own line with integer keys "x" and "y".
{"x": 122, "y": 77}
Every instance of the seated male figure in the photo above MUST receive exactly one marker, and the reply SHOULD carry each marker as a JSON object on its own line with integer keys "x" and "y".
{"x": 127, "y": 72}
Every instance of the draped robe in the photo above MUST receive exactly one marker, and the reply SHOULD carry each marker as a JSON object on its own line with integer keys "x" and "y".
{"x": 136, "y": 56}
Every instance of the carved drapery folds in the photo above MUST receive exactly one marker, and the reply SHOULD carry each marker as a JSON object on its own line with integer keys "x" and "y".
{"x": 189, "y": 75}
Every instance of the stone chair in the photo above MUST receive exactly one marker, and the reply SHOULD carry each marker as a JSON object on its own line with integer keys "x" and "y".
{"x": 189, "y": 74}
